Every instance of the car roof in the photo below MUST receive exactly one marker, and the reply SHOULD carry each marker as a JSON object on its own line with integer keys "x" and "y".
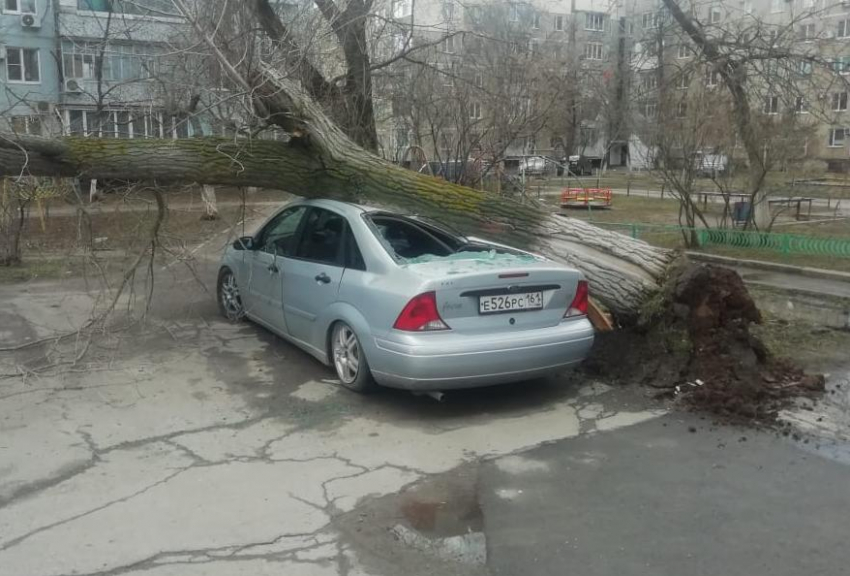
{"x": 346, "y": 208}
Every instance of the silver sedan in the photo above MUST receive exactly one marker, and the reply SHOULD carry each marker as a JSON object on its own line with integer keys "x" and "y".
{"x": 405, "y": 302}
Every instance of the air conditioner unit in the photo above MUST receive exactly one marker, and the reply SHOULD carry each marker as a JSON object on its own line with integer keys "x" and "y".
{"x": 73, "y": 86}
{"x": 30, "y": 21}
{"x": 43, "y": 106}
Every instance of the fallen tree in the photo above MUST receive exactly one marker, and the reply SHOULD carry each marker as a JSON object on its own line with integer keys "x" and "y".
{"x": 318, "y": 160}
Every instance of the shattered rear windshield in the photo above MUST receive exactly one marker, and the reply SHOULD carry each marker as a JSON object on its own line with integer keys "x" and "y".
{"x": 415, "y": 242}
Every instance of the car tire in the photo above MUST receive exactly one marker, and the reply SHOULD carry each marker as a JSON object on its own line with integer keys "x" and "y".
{"x": 227, "y": 293}
{"x": 349, "y": 360}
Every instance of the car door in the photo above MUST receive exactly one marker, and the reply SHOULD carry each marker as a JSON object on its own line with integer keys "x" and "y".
{"x": 265, "y": 286}
{"x": 312, "y": 275}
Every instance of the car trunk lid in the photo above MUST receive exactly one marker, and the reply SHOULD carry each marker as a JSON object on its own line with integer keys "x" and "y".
{"x": 480, "y": 292}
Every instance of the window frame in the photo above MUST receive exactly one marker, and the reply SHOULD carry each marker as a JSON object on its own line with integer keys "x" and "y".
{"x": 591, "y": 49}
{"x": 771, "y": 105}
{"x": 22, "y": 63}
{"x": 832, "y": 142}
{"x": 558, "y": 23}
{"x": 590, "y": 21}
{"x": 296, "y": 235}
{"x": 19, "y": 9}
{"x": 302, "y": 229}
{"x": 839, "y": 101}
{"x": 715, "y": 14}
{"x": 843, "y": 32}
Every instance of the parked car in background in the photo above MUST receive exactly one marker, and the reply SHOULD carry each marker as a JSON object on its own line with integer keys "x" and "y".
{"x": 711, "y": 165}
{"x": 404, "y": 302}
{"x": 533, "y": 165}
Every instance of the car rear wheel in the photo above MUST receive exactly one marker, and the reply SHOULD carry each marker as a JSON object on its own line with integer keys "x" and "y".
{"x": 349, "y": 360}
{"x": 229, "y": 299}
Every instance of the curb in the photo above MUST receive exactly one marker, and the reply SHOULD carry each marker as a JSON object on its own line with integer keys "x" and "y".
{"x": 799, "y": 270}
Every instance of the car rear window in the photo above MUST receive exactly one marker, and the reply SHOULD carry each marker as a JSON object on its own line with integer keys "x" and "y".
{"x": 406, "y": 238}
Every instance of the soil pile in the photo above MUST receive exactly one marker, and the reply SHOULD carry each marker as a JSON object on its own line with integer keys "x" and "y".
{"x": 693, "y": 342}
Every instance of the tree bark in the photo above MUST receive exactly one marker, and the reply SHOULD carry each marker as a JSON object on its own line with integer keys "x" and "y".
{"x": 622, "y": 271}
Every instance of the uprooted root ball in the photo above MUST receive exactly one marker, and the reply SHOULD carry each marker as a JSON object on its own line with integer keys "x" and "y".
{"x": 693, "y": 342}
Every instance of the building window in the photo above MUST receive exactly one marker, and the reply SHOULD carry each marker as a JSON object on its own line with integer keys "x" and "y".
{"x": 800, "y": 106}
{"x": 841, "y": 65}
{"x": 475, "y": 111}
{"x": 593, "y": 51}
{"x": 402, "y": 8}
{"x": 125, "y": 124}
{"x": 681, "y": 109}
{"x": 534, "y": 46}
{"x": 712, "y": 78}
{"x": 559, "y": 23}
{"x": 771, "y": 105}
{"x": 479, "y": 80}
{"x": 650, "y": 81}
{"x": 145, "y": 7}
{"x": 514, "y": 12}
{"x": 650, "y": 20}
{"x": 448, "y": 11}
{"x": 449, "y": 44}
{"x": 23, "y": 65}
{"x": 807, "y": 32}
{"x": 120, "y": 62}
{"x": 836, "y": 137}
{"x": 777, "y": 5}
{"x": 650, "y": 110}
{"x": 843, "y": 29}
{"x": 19, "y": 6}
{"x": 804, "y": 67}
{"x": 30, "y": 125}
{"x": 535, "y": 21}
{"x": 594, "y": 21}
{"x": 839, "y": 101}
{"x": 684, "y": 51}
{"x": 714, "y": 14}
{"x": 684, "y": 81}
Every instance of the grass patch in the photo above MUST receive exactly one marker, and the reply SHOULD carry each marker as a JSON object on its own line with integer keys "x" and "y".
{"x": 807, "y": 344}
{"x": 37, "y": 269}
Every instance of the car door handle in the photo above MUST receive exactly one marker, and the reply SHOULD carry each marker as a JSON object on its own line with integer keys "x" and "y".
{"x": 273, "y": 269}
{"x": 323, "y": 278}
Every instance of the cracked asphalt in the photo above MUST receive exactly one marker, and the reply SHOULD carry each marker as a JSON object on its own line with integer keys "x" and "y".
{"x": 187, "y": 445}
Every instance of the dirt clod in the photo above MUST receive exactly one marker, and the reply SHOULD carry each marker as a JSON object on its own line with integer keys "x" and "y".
{"x": 695, "y": 341}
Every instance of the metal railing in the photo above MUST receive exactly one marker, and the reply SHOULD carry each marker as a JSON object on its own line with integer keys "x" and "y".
{"x": 749, "y": 239}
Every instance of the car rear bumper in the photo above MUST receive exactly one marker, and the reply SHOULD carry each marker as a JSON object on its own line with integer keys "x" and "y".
{"x": 443, "y": 361}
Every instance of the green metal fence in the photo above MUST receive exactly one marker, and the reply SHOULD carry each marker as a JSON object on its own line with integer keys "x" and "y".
{"x": 667, "y": 235}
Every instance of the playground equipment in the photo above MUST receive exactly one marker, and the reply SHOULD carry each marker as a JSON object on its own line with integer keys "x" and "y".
{"x": 584, "y": 197}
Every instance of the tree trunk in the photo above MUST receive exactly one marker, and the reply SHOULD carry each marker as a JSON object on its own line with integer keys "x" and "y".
{"x": 210, "y": 204}
{"x": 622, "y": 271}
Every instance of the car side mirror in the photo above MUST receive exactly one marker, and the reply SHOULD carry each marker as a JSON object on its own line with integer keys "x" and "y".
{"x": 244, "y": 243}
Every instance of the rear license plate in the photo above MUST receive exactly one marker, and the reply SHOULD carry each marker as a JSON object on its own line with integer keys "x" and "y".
{"x": 510, "y": 303}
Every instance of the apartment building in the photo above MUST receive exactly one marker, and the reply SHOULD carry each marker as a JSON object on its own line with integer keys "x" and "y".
{"x": 29, "y": 79}
{"x": 574, "y": 43}
{"x": 802, "y": 93}
{"x": 95, "y": 68}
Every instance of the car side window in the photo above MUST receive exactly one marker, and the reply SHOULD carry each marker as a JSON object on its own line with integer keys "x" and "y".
{"x": 321, "y": 240}
{"x": 278, "y": 236}
{"x": 353, "y": 256}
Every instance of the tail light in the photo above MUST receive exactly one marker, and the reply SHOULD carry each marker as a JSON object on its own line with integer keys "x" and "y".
{"x": 578, "y": 307}
{"x": 420, "y": 314}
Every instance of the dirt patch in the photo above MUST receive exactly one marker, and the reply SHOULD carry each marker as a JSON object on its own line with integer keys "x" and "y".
{"x": 693, "y": 343}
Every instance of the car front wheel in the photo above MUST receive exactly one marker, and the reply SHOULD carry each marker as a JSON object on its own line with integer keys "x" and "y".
{"x": 348, "y": 359}
{"x": 229, "y": 299}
